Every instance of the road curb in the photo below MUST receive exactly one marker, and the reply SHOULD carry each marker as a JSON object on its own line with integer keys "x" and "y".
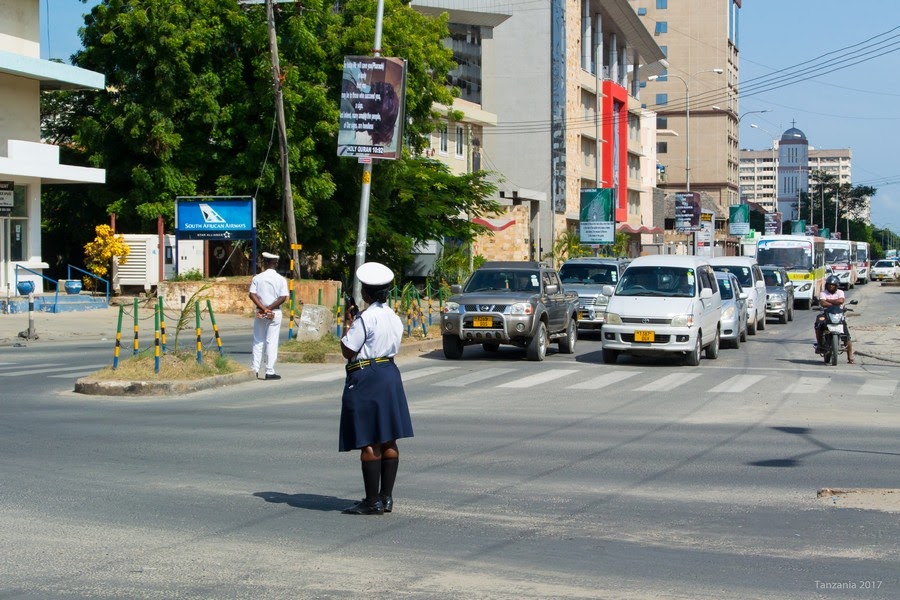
{"x": 96, "y": 387}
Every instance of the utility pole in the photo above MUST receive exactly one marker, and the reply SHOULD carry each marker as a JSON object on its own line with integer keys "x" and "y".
{"x": 277, "y": 83}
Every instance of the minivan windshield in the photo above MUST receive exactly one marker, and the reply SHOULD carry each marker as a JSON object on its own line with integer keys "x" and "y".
{"x": 678, "y": 282}
{"x": 588, "y": 274}
{"x": 743, "y": 274}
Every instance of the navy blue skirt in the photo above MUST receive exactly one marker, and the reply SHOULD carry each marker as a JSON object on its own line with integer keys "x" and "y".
{"x": 373, "y": 407}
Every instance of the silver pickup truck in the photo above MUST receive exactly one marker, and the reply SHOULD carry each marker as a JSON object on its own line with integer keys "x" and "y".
{"x": 517, "y": 303}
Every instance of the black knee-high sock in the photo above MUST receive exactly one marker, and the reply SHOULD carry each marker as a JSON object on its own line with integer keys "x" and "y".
{"x": 388, "y": 475}
{"x": 371, "y": 470}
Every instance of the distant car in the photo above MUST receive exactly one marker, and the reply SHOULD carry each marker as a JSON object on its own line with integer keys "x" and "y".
{"x": 734, "y": 310}
{"x": 779, "y": 294}
{"x": 587, "y": 276}
{"x": 885, "y": 269}
{"x": 747, "y": 270}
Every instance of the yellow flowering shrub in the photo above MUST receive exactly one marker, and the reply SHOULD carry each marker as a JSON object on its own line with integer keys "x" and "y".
{"x": 100, "y": 252}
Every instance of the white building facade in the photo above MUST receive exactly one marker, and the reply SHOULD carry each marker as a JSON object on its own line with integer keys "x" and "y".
{"x": 26, "y": 164}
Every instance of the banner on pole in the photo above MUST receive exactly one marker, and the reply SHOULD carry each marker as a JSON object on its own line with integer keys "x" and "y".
{"x": 373, "y": 94}
{"x": 597, "y": 225}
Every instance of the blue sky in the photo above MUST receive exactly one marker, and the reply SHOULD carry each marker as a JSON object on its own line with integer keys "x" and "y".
{"x": 856, "y": 107}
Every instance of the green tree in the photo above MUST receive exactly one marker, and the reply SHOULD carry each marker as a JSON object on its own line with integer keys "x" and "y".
{"x": 189, "y": 110}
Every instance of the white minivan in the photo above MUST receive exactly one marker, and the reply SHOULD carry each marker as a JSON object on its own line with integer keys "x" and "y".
{"x": 747, "y": 270}
{"x": 664, "y": 304}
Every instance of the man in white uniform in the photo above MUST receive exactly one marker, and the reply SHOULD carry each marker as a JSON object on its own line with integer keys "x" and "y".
{"x": 268, "y": 291}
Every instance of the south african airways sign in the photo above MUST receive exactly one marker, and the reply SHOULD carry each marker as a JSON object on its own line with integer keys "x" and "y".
{"x": 215, "y": 217}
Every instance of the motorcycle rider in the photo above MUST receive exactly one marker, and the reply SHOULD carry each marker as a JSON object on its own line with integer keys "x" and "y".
{"x": 832, "y": 295}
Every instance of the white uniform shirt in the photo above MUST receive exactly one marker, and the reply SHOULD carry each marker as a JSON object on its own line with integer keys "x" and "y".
{"x": 269, "y": 286}
{"x": 381, "y": 336}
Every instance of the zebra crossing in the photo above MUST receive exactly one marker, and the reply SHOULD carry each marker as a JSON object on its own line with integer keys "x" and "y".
{"x": 49, "y": 370}
{"x": 630, "y": 379}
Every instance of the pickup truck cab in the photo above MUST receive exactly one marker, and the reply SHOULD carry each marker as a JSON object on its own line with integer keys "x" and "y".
{"x": 586, "y": 276}
{"x": 517, "y": 303}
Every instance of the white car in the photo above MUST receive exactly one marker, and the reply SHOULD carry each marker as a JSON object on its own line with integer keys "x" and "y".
{"x": 747, "y": 271}
{"x": 663, "y": 304}
{"x": 885, "y": 269}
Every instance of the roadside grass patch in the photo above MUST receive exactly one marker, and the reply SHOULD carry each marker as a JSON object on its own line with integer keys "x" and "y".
{"x": 314, "y": 351}
{"x": 173, "y": 366}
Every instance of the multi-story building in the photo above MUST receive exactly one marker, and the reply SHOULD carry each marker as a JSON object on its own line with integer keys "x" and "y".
{"x": 564, "y": 85}
{"x": 794, "y": 162}
{"x": 25, "y": 163}
{"x": 700, "y": 41}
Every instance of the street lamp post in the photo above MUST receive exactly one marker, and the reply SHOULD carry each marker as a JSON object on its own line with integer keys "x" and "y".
{"x": 687, "y": 119}
{"x": 749, "y": 112}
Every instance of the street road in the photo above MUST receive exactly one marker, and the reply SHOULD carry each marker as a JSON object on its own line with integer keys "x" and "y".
{"x": 562, "y": 479}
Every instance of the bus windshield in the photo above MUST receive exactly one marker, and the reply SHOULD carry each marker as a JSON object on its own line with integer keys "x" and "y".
{"x": 795, "y": 257}
{"x": 836, "y": 255}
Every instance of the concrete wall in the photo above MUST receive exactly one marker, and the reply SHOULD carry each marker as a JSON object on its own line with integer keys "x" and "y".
{"x": 232, "y": 296}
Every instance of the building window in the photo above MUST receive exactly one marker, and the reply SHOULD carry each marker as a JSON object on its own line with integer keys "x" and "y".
{"x": 662, "y": 122}
{"x": 642, "y": 12}
{"x": 662, "y": 147}
{"x": 662, "y": 4}
{"x": 662, "y": 99}
{"x": 443, "y": 146}
{"x": 662, "y": 27}
{"x": 459, "y": 141}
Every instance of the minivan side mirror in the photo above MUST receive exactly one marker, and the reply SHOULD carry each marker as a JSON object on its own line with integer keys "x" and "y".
{"x": 743, "y": 295}
{"x": 608, "y": 290}
{"x": 761, "y": 284}
{"x": 706, "y": 293}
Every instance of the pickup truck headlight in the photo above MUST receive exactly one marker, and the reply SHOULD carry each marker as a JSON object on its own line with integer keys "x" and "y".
{"x": 601, "y": 301}
{"x": 521, "y": 308}
{"x": 451, "y": 307}
{"x": 613, "y": 319}
{"x": 683, "y": 321}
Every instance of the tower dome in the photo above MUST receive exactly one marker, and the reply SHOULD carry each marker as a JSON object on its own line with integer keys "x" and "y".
{"x": 793, "y": 135}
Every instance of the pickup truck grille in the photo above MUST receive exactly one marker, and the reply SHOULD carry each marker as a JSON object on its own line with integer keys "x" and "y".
{"x": 495, "y": 308}
{"x": 587, "y": 301}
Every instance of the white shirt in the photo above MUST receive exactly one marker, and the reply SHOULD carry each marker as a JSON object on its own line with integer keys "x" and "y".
{"x": 381, "y": 336}
{"x": 269, "y": 286}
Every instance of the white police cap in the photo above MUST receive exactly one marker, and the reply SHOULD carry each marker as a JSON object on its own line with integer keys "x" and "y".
{"x": 269, "y": 256}
{"x": 374, "y": 274}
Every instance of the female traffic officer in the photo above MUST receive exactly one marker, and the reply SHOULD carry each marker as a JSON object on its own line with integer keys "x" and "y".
{"x": 374, "y": 412}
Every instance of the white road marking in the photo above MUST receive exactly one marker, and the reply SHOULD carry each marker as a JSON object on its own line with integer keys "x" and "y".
{"x": 603, "y": 381}
{"x": 473, "y": 377}
{"x": 669, "y": 382}
{"x": 539, "y": 378}
{"x": 736, "y": 384}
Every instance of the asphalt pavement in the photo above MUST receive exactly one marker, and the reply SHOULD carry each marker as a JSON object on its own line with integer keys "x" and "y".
{"x": 874, "y": 324}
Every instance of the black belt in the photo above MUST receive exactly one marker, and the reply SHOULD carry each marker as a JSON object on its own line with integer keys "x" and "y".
{"x": 367, "y": 362}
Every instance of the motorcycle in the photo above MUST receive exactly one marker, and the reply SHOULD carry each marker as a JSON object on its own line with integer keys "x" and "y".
{"x": 835, "y": 334}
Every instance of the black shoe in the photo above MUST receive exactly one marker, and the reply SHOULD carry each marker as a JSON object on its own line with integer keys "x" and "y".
{"x": 388, "y": 502}
{"x": 272, "y": 376}
{"x": 365, "y": 507}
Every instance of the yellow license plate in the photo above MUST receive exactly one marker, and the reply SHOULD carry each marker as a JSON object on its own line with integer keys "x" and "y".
{"x": 644, "y": 336}
{"x": 482, "y": 321}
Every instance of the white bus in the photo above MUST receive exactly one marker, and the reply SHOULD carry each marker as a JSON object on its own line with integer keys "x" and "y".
{"x": 839, "y": 255}
{"x": 862, "y": 262}
{"x": 803, "y": 257}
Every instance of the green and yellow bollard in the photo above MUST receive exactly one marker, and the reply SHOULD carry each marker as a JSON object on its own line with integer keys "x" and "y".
{"x": 118, "y": 338}
{"x": 162, "y": 324}
{"x": 212, "y": 319}
{"x": 199, "y": 334}
{"x": 156, "y": 336}
{"x": 135, "y": 352}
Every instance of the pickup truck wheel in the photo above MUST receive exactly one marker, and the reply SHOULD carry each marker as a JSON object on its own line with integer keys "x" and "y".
{"x": 490, "y": 347}
{"x": 453, "y": 347}
{"x": 567, "y": 344}
{"x": 610, "y": 356}
{"x": 537, "y": 346}
{"x": 692, "y": 359}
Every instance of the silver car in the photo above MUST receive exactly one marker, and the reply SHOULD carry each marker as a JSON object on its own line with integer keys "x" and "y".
{"x": 734, "y": 310}
{"x": 587, "y": 276}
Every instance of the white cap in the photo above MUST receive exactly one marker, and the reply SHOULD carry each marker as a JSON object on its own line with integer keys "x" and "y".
{"x": 374, "y": 274}
{"x": 269, "y": 256}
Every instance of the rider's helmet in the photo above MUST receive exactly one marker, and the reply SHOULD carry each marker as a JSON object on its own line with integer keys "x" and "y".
{"x": 832, "y": 281}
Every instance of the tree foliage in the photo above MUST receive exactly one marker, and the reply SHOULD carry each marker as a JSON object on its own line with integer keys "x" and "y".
{"x": 189, "y": 110}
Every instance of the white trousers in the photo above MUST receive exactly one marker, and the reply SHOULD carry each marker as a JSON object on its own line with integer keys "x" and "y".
{"x": 265, "y": 333}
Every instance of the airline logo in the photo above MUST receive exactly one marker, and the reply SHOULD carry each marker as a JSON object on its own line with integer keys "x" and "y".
{"x": 210, "y": 215}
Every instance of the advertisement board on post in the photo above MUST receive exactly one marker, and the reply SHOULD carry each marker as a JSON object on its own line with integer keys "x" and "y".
{"x": 773, "y": 223}
{"x": 739, "y": 219}
{"x": 798, "y": 227}
{"x": 703, "y": 239}
{"x": 687, "y": 211}
{"x": 215, "y": 217}
{"x": 373, "y": 93}
{"x": 597, "y": 224}
{"x": 7, "y": 197}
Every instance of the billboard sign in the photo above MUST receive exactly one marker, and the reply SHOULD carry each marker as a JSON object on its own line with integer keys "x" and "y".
{"x": 739, "y": 219}
{"x": 687, "y": 211}
{"x": 215, "y": 217}
{"x": 773, "y": 223}
{"x": 798, "y": 227}
{"x": 704, "y": 236}
{"x": 7, "y": 197}
{"x": 598, "y": 223}
{"x": 373, "y": 93}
